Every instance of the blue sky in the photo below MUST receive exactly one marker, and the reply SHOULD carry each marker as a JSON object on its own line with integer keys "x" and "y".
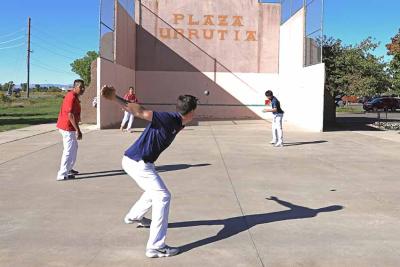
{"x": 354, "y": 20}
{"x": 63, "y": 30}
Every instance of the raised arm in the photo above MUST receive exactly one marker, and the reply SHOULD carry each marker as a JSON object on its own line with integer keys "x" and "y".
{"x": 137, "y": 110}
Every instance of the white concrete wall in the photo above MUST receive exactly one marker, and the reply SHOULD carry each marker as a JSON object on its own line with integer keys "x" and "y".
{"x": 249, "y": 88}
{"x": 239, "y": 92}
{"x": 301, "y": 89}
{"x": 109, "y": 114}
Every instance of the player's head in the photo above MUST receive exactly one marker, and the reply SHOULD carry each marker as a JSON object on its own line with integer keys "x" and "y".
{"x": 79, "y": 86}
{"x": 186, "y": 105}
{"x": 132, "y": 90}
{"x": 269, "y": 94}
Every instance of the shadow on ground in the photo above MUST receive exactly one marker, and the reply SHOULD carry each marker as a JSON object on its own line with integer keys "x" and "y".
{"x": 236, "y": 225}
{"x": 176, "y": 167}
{"x": 358, "y": 122}
{"x": 305, "y": 143}
{"x": 162, "y": 168}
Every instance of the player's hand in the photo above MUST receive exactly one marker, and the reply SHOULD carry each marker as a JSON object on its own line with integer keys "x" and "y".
{"x": 79, "y": 137}
{"x": 265, "y": 110}
{"x": 108, "y": 92}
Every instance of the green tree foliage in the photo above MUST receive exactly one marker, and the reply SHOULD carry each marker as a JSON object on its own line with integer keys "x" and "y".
{"x": 8, "y": 86}
{"x": 394, "y": 50}
{"x": 81, "y": 66}
{"x": 23, "y": 86}
{"x": 353, "y": 69}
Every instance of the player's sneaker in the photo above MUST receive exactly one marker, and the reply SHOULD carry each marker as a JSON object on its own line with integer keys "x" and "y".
{"x": 272, "y": 142}
{"x": 166, "y": 251}
{"x": 67, "y": 177}
{"x": 73, "y": 172}
{"x": 144, "y": 222}
{"x": 278, "y": 145}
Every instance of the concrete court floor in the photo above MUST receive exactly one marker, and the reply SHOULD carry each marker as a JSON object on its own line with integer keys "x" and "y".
{"x": 337, "y": 196}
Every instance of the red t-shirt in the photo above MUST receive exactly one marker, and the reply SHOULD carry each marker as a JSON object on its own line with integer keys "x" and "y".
{"x": 71, "y": 104}
{"x": 131, "y": 98}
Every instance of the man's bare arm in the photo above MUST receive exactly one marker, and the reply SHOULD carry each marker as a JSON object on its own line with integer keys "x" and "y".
{"x": 270, "y": 110}
{"x": 137, "y": 110}
{"x": 71, "y": 118}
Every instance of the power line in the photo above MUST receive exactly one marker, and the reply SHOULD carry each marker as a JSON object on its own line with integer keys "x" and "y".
{"x": 12, "y": 40}
{"x": 55, "y": 53}
{"x": 9, "y": 47}
{"x": 13, "y": 33}
{"x": 46, "y": 65}
{"x": 56, "y": 45}
{"x": 57, "y": 38}
{"x": 50, "y": 69}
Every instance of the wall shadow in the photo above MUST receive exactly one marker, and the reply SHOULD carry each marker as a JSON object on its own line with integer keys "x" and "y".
{"x": 236, "y": 225}
{"x": 162, "y": 73}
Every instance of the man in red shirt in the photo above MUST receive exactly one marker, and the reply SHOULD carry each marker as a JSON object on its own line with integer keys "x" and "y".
{"x": 130, "y": 97}
{"x": 68, "y": 125}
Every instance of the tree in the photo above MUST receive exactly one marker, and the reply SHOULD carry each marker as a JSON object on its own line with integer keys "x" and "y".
{"x": 353, "y": 69}
{"x": 81, "y": 66}
{"x": 23, "y": 86}
{"x": 9, "y": 87}
{"x": 394, "y": 65}
{"x": 37, "y": 87}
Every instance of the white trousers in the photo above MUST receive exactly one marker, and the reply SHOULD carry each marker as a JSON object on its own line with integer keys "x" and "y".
{"x": 277, "y": 133}
{"x": 127, "y": 117}
{"x": 70, "y": 144}
{"x": 155, "y": 196}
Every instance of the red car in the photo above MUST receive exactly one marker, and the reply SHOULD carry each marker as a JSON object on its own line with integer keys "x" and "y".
{"x": 382, "y": 103}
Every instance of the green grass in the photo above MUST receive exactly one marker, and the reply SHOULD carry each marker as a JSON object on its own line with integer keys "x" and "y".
{"x": 350, "y": 109}
{"x": 22, "y": 112}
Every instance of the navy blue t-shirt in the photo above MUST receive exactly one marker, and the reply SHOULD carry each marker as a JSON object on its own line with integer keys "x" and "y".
{"x": 276, "y": 104}
{"x": 157, "y": 136}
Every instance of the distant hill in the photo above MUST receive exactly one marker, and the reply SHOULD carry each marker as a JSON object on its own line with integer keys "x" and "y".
{"x": 32, "y": 85}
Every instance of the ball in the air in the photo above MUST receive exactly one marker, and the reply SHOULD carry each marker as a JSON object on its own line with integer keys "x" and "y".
{"x": 206, "y": 92}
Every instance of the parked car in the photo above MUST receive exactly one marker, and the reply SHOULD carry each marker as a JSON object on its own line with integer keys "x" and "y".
{"x": 338, "y": 100}
{"x": 382, "y": 103}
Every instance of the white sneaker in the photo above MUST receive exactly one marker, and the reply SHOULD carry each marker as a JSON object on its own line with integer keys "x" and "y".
{"x": 278, "y": 145}
{"x": 144, "y": 222}
{"x": 166, "y": 251}
{"x": 272, "y": 142}
{"x": 67, "y": 177}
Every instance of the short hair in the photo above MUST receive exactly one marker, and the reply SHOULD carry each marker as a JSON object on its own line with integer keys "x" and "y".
{"x": 269, "y": 93}
{"x": 79, "y": 82}
{"x": 186, "y": 104}
{"x": 131, "y": 87}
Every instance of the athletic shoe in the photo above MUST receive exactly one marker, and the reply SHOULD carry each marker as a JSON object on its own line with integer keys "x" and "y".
{"x": 272, "y": 142}
{"x": 278, "y": 145}
{"x": 73, "y": 172}
{"x": 67, "y": 177}
{"x": 166, "y": 251}
{"x": 144, "y": 222}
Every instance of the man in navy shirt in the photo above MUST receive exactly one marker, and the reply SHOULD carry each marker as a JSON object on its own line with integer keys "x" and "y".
{"x": 138, "y": 162}
{"x": 277, "y": 133}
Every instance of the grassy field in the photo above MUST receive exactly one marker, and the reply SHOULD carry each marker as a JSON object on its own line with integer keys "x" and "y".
{"x": 21, "y": 112}
{"x": 351, "y": 109}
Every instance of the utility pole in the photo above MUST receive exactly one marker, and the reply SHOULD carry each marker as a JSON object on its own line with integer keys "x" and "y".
{"x": 28, "y": 57}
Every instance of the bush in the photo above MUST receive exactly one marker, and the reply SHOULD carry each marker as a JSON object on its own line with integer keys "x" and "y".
{"x": 4, "y": 98}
